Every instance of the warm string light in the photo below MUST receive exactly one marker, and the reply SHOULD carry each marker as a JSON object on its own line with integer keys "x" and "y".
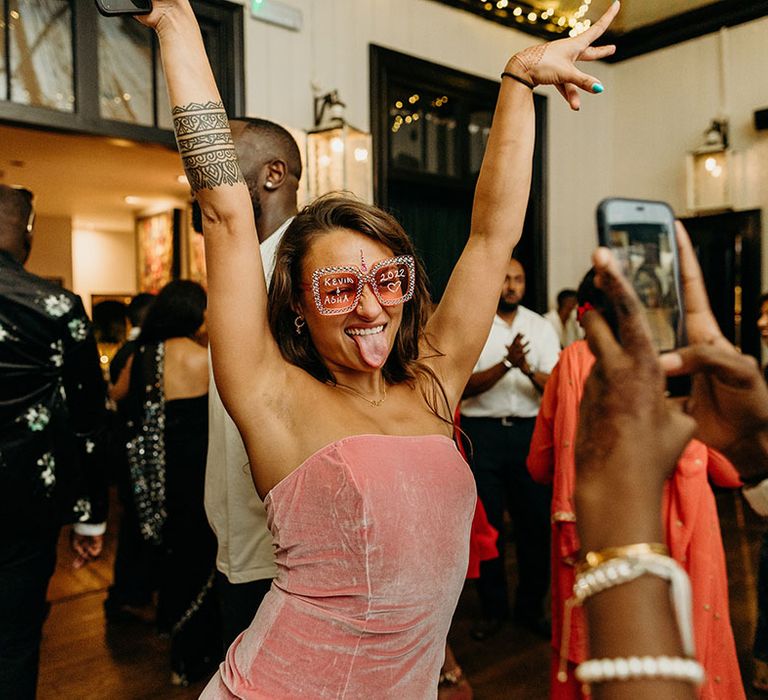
{"x": 403, "y": 115}
{"x": 554, "y": 21}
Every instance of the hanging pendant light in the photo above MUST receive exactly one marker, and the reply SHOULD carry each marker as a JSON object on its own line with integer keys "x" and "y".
{"x": 338, "y": 154}
{"x": 710, "y": 171}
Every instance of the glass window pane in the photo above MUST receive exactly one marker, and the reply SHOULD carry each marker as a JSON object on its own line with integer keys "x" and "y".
{"x": 440, "y": 130}
{"x": 3, "y": 74}
{"x": 406, "y": 141}
{"x": 479, "y": 127}
{"x": 125, "y": 70}
{"x": 41, "y": 53}
{"x": 164, "y": 119}
{"x": 423, "y": 132}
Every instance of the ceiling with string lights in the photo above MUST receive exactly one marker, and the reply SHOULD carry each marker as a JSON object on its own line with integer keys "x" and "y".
{"x": 682, "y": 19}
{"x": 561, "y": 17}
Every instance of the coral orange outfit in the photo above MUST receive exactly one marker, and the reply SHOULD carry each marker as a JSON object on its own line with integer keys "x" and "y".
{"x": 372, "y": 537}
{"x": 690, "y": 520}
{"x": 482, "y": 541}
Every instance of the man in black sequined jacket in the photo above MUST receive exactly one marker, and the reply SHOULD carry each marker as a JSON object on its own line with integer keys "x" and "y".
{"x": 52, "y": 420}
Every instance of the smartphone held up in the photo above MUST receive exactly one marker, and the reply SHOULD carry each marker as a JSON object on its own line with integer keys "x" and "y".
{"x": 641, "y": 235}
{"x": 111, "y": 8}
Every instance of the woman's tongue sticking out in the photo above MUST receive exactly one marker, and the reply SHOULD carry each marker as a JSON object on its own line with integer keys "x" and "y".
{"x": 373, "y": 347}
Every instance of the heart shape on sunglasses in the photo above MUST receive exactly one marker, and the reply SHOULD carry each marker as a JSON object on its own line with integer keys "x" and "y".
{"x": 337, "y": 290}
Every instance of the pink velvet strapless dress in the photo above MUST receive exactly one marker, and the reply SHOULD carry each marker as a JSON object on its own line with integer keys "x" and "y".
{"x": 372, "y": 537}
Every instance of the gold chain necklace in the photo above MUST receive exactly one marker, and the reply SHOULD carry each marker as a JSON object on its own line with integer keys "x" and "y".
{"x": 375, "y": 402}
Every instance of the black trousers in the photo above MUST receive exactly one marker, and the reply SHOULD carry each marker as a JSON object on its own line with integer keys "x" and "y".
{"x": 498, "y": 459}
{"x": 238, "y": 603}
{"x": 27, "y": 563}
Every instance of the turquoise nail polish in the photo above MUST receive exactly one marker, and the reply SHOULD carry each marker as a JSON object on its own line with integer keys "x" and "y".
{"x": 597, "y": 88}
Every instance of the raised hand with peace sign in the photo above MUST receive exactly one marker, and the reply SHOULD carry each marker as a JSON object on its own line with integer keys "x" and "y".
{"x": 554, "y": 63}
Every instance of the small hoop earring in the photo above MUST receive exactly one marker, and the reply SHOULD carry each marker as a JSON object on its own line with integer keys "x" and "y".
{"x": 299, "y": 323}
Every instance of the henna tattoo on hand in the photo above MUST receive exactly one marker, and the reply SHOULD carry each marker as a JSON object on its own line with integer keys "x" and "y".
{"x": 529, "y": 58}
{"x": 205, "y": 144}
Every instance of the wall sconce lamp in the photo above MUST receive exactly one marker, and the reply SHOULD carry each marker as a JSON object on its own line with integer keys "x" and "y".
{"x": 329, "y": 110}
{"x": 710, "y": 171}
{"x": 338, "y": 154}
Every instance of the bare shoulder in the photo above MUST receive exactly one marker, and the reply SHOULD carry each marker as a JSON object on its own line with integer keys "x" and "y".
{"x": 189, "y": 358}
{"x": 186, "y": 349}
{"x": 196, "y": 355}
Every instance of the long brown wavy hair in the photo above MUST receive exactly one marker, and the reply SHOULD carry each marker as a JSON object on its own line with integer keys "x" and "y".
{"x": 325, "y": 214}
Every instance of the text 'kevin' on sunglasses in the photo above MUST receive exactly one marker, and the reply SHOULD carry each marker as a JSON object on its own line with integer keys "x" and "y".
{"x": 337, "y": 290}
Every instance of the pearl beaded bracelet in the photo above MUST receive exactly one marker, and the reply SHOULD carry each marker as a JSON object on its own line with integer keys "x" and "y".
{"x": 615, "y": 572}
{"x": 620, "y": 570}
{"x": 636, "y": 667}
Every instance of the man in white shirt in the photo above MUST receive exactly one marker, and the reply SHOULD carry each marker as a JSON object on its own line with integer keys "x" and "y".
{"x": 498, "y": 414}
{"x": 271, "y": 164}
{"x": 563, "y": 318}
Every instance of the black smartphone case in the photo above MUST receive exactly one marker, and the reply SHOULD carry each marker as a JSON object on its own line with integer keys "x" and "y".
{"x": 116, "y": 8}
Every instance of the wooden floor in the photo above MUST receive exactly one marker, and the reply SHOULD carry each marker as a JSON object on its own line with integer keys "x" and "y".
{"x": 83, "y": 659}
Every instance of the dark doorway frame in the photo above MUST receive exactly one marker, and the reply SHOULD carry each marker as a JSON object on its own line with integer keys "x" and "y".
{"x": 729, "y": 245}
{"x": 388, "y": 66}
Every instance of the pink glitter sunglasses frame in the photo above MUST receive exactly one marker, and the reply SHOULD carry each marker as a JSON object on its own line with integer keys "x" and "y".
{"x": 364, "y": 278}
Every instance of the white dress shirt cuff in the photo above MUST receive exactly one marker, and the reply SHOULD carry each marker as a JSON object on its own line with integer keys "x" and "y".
{"x": 757, "y": 497}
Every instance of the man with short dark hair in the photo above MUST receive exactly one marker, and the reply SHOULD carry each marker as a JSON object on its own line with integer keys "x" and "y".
{"x": 52, "y": 416}
{"x": 563, "y": 318}
{"x": 498, "y": 414}
{"x": 271, "y": 165}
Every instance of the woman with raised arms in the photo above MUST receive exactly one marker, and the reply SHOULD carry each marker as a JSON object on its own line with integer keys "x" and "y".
{"x": 344, "y": 395}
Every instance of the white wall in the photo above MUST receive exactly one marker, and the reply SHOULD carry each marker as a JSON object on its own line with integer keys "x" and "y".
{"x": 664, "y": 103}
{"x": 332, "y": 51}
{"x": 666, "y": 100}
{"x": 104, "y": 263}
{"x": 580, "y": 154}
{"x": 51, "y": 254}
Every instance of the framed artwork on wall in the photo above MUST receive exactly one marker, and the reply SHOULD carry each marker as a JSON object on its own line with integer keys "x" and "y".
{"x": 194, "y": 252}
{"x": 158, "y": 250}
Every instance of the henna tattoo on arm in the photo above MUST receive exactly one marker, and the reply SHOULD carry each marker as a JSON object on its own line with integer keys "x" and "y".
{"x": 529, "y": 58}
{"x": 205, "y": 144}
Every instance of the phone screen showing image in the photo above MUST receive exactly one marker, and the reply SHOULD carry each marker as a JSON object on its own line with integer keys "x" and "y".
{"x": 645, "y": 252}
{"x": 641, "y": 235}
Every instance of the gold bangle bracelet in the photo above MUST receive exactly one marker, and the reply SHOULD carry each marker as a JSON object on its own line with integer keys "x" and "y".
{"x": 594, "y": 559}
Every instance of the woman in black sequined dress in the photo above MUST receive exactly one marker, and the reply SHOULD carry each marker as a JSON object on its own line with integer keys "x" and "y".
{"x": 167, "y": 390}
